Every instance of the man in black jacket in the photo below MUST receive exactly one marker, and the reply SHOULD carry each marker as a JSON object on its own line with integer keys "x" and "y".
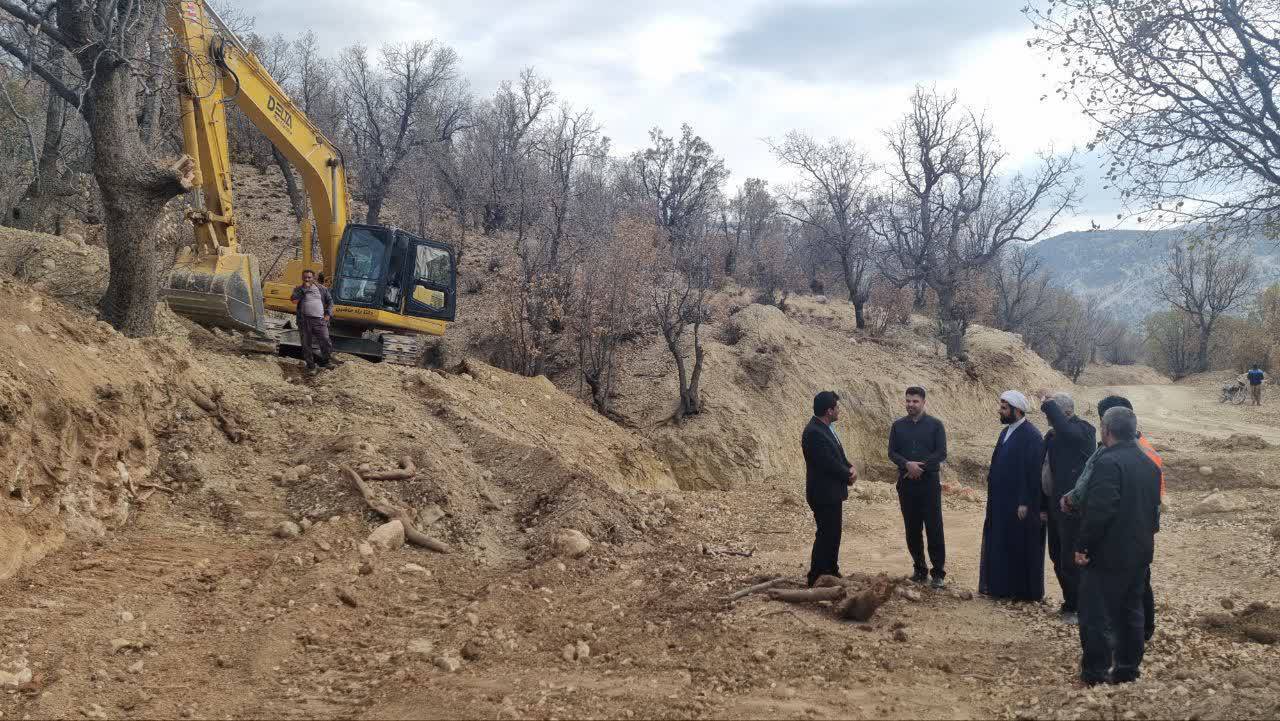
{"x": 918, "y": 446}
{"x": 1114, "y": 548}
{"x": 828, "y": 475}
{"x": 1067, "y": 448}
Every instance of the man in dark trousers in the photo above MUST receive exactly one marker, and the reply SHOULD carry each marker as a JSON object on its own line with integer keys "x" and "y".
{"x": 828, "y": 475}
{"x": 315, "y": 307}
{"x": 1068, "y": 445}
{"x": 918, "y": 446}
{"x": 1114, "y": 548}
{"x": 1256, "y": 377}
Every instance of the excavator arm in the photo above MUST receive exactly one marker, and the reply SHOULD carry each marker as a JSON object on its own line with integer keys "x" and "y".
{"x": 214, "y": 282}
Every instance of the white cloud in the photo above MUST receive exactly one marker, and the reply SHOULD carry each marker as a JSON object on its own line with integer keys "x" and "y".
{"x": 737, "y": 72}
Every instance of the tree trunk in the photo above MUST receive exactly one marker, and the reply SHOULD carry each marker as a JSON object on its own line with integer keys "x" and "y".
{"x": 48, "y": 184}
{"x": 950, "y": 326}
{"x": 852, "y": 282}
{"x": 1202, "y": 351}
{"x": 297, "y": 200}
{"x": 377, "y": 196}
{"x": 691, "y": 396}
{"x": 135, "y": 189}
{"x": 731, "y": 262}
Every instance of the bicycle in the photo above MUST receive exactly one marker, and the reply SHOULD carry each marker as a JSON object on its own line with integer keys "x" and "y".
{"x": 1234, "y": 394}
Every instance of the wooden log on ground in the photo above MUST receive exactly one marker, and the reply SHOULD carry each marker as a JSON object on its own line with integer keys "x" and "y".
{"x": 807, "y": 595}
{"x": 755, "y": 589}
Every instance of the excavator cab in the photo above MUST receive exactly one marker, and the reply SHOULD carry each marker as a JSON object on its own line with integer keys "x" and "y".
{"x": 387, "y": 270}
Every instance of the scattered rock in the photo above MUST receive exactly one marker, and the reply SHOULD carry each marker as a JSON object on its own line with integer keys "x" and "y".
{"x": 288, "y": 530}
{"x": 49, "y": 264}
{"x": 582, "y": 651}
{"x": 474, "y": 649}
{"x": 569, "y": 543}
{"x": 421, "y": 646}
{"x": 348, "y": 596}
{"x": 365, "y": 550}
{"x": 910, "y": 594}
{"x": 415, "y": 568}
{"x": 1219, "y": 502}
{"x": 1244, "y": 678}
{"x": 1206, "y": 471}
{"x": 1227, "y": 604}
{"x": 135, "y": 667}
{"x": 367, "y": 567}
{"x": 900, "y": 635}
{"x": 126, "y": 617}
{"x": 94, "y": 711}
{"x": 122, "y": 644}
{"x": 16, "y": 678}
{"x": 447, "y": 664}
{"x": 305, "y": 524}
{"x": 388, "y": 536}
{"x": 567, "y": 653}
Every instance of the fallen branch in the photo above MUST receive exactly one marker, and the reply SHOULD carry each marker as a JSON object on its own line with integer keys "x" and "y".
{"x": 406, "y": 472}
{"x": 395, "y": 513}
{"x": 228, "y": 425}
{"x": 726, "y": 551}
{"x": 755, "y": 589}
{"x": 807, "y": 595}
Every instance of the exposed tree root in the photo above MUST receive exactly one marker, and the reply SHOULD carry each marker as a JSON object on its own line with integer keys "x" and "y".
{"x": 391, "y": 512}
{"x": 408, "y": 471}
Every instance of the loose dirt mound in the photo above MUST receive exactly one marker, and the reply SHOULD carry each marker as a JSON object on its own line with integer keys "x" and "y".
{"x": 1101, "y": 376}
{"x": 1258, "y": 623}
{"x": 1238, "y": 442}
{"x": 80, "y": 409}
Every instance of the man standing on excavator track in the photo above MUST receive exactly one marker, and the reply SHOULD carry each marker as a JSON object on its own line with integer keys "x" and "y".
{"x": 315, "y": 307}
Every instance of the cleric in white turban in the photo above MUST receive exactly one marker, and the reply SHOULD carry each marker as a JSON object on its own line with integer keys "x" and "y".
{"x": 1012, "y": 538}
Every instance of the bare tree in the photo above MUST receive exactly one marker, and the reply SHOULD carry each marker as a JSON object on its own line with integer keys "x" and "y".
{"x": 109, "y": 41}
{"x": 571, "y": 138}
{"x": 1184, "y": 94}
{"x": 1205, "y": 278}
{"x": 412, "y": 98}
{"x": 745, "y": 220}
{"x": 505, "y": 134}
{"x": 1025, "y": 298}
{"x": 834, "y": 197}
{"x": 610, "y": 308}
{"x": 681, "y": 180}
{"x": 951, "y": 213}
{"x": 1171, "y": 338}
{"x": 678, "y": 298}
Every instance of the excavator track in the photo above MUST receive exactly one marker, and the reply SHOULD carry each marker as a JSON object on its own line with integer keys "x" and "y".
{"x": 400, "y": 349}
{"x": 396, "y": 348}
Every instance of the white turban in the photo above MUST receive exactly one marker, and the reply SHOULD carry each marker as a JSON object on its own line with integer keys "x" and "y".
{"x": 1017, "y": 400}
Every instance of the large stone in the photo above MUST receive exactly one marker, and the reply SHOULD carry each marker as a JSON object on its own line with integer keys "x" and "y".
{"x": 288, "y": 529}
{"x": 569, "y": 543}
{"x": 1219, "y": 502}
{"x": 388, "y": 536}
{"x": 13, "y": 679}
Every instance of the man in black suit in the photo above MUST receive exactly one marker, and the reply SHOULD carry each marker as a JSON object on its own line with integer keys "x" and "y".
{"x": 1114, "y": 548}
{"x": 828, "y": 475}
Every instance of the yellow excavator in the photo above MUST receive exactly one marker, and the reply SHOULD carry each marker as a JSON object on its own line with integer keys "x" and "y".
{"x": 390, "y": 288}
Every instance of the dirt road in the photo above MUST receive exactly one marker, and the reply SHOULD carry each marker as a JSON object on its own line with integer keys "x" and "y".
{"x": 1174, "y": 410}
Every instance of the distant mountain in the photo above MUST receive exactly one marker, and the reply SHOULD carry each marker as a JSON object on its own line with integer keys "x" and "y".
{"x": 1125, "y": 265}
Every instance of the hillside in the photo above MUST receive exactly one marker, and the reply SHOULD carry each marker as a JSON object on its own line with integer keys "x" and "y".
{"x": 1124, "y": 265}
{"x": 181, "y": 535}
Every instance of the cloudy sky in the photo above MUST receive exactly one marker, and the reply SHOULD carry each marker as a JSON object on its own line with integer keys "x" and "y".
{"x": 739, "y": 72}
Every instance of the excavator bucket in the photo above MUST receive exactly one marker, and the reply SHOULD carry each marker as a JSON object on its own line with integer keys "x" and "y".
{"x": 223, "y": 291}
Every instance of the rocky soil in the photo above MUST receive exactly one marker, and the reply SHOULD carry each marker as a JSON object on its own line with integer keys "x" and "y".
{"x": 182, "y": 537}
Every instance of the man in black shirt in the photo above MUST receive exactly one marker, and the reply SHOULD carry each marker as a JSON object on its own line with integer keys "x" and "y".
{"x": 918, "y": 446}
{"x": 828, "y": 475}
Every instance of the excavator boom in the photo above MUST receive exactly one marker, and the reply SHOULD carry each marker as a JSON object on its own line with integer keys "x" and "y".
{"x": 215, "y": 283}
{"x": 389, "y": 286}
